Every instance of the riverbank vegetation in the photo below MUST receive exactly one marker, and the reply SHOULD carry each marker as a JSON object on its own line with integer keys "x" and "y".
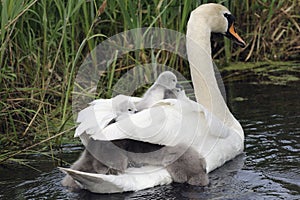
{"x": 44, "y": 42}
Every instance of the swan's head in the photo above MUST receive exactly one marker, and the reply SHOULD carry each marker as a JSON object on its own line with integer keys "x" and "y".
{"x": 167, "y": 79}
{"x": 218, "y": 18}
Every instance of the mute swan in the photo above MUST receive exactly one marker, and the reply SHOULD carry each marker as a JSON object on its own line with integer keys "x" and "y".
{"x": 161, "y": 89}
{"x": 208, "y": 126}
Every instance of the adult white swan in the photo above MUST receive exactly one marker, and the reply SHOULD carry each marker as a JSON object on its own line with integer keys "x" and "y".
{"x": 208, "y": 125}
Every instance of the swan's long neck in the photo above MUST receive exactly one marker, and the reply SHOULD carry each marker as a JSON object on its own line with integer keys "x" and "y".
{"x": 202, "y": 72}
{"x": 199, "y": 32}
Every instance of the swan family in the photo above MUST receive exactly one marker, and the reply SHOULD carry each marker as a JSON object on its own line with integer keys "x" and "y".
{"x": 207, "y": 126}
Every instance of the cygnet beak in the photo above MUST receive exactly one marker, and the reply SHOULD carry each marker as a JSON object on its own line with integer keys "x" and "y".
{"x": 179, "y": 86}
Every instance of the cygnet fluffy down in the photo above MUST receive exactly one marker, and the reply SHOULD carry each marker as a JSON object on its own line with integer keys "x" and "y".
{"x": 163, "y": 88}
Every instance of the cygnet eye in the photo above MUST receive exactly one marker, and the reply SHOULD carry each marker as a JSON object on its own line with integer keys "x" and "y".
{"x": 174, "y": 80}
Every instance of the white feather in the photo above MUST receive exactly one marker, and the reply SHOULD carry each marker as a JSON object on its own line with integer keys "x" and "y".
{"x": 93, "y": 119}
{"x": 133, "y": 179}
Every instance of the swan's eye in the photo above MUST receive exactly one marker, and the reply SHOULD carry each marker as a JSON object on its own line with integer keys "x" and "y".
{"x": 226, "y": 15}
{"x": 229, "y": 17}
{"x": 129, "y": 109}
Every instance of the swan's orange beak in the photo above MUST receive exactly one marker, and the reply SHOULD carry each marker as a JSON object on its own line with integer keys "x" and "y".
{"x": 231, "y": 33}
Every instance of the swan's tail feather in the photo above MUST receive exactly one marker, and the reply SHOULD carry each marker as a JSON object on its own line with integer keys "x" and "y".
{"x": 133, "y": 179}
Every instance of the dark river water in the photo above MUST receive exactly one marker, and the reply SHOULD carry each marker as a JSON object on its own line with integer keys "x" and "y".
{"x": 268, "y": 169}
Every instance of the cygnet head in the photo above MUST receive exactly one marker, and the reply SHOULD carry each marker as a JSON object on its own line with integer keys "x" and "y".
{"x": 217, "y": 19}
{"x": 123, "y": 105}
{"x": 180, "y": 93}
{"x": 167, "y": 79}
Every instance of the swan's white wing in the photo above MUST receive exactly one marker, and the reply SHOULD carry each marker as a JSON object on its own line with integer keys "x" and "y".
{"x": 133, "y": 179}
{"x": 164, "y": 124}
{"x": 168, "y": 122}
{"x": 95, "y": 117}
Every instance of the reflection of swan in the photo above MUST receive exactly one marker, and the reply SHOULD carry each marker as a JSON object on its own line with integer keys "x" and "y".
{"x": 207, "y": 125}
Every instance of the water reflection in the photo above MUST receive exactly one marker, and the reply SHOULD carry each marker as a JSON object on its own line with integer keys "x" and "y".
{"x": 269, "y": 169}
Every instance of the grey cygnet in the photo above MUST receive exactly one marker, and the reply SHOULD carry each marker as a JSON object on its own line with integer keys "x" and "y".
{"x": 184, "y": 163}
{"x": 123, "y": 106}
{"x": 164, "y": 87}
